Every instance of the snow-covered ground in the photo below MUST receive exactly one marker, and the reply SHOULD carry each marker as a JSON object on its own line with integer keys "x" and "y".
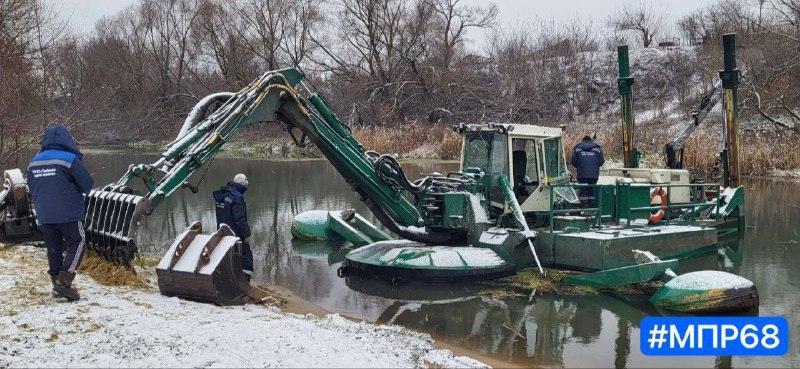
{"x": 126, "y": 327}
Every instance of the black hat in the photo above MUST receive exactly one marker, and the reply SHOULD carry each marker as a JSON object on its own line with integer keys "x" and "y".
{"x": 587, "y": 138}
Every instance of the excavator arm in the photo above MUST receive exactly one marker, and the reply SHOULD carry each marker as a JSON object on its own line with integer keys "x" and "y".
{"x": 113, "y": 212}
{"x": 673, "y": 150}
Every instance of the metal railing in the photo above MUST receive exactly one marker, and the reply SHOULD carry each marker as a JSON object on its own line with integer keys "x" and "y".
{"x": 597, "y": 211}
{"x": 694, "y": 203}
{"x": 697, "y": 203}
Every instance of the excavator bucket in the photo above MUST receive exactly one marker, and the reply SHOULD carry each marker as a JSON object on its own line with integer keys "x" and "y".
{"x": 207, "y": 268}
{"x": 111, "y": 221}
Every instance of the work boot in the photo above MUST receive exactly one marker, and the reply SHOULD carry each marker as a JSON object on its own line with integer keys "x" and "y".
{"x": 63, "y": 286}
{"x": 53, "y": 280}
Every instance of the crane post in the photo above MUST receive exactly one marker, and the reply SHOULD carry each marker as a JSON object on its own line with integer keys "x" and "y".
{"x": 730, "y": 83}
{"x": 624, "y": 86}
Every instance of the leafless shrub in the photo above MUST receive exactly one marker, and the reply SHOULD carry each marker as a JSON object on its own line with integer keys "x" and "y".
{"x": 388, "y": 67}
{"x": 644, "y": 20}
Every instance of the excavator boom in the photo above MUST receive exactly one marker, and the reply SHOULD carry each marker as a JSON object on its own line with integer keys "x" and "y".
{"x": 114, "y": 211}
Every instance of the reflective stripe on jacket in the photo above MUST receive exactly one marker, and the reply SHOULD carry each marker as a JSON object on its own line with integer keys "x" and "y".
{"x": 58, "y": 179}
{"x": 587, "y": 158}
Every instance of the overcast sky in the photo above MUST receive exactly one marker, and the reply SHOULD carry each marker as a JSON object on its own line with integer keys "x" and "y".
{"x": 82, "y": 14}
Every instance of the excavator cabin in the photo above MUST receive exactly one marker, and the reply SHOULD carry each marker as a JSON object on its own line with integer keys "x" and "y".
{"x": 531, "y": 156}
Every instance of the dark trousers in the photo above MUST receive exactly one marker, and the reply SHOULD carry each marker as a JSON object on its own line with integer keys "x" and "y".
{"x": 247, "y": 260}
{"x": 62, "y": 237}
{"x": 587, "y": 195}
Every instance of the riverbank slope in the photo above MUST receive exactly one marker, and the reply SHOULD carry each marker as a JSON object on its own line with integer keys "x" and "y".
{"x": 137, "y": 327}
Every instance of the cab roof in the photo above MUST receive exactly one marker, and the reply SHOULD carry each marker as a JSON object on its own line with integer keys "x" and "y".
{"x": 517, "y": 130}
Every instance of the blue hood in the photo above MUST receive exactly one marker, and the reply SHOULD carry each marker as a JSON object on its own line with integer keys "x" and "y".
{"x": 59, "y": 138}
{"x": 586, "y": 145}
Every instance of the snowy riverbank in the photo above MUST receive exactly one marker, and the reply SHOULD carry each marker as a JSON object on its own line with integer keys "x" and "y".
{"x": 126, "y": 327}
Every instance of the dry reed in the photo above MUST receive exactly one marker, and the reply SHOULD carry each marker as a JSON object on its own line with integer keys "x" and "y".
{"x": 412, "y": 140}
{"x": 108, "y": 273}
{"x": 761, "y": 153}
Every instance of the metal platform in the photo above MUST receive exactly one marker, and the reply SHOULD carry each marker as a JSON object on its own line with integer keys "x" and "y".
{"x": 611, "y": 247}
{"x": 408, "y": 261}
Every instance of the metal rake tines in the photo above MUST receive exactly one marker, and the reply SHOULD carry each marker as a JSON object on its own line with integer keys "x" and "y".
{"x": 110, "y": 223}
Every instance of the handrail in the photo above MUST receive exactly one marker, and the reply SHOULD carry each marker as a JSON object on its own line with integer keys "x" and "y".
{"x": 598, "y": 211}
{"x": 695, "y": 203}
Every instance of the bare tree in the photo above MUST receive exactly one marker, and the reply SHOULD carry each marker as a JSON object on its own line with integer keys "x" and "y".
{"x": 383, "y": 48}
{"x": 455, "y": 19}
{"x": 219, "y": 32}
{"x": 17, "y": 27}
{"x": 278, "y": 32}
{"x": 304, "y": 19}
{"x": 28, "y": 30}
{"x": 643, "y": 20}
{"x": 265, "y": 22}
{"x": 723, "y": 17}
{"x": 774, "y": 64}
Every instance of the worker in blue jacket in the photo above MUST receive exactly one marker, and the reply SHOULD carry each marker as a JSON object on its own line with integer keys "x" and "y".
{"x": 587, "y": 158}
{"x": 58, "y": 181}
{"x": 232, "y": 210}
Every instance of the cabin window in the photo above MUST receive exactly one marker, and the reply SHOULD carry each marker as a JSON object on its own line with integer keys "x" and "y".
{"x": 524, "y": 160}
{"x": 554, "y": 162}
{"x": 487, "y": 150}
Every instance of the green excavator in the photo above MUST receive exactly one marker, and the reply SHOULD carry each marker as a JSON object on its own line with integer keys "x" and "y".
{"x": 450, "y": 211}
{"x": 446, "y": 210}
{"x": 465, "y": 226}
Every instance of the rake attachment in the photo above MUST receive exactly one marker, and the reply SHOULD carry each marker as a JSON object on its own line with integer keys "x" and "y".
{"x": 111, "y": 221}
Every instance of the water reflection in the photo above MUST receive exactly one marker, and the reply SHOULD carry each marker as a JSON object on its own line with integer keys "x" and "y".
{"x": 543, "y": 330}
{"x": 535, "y": 331}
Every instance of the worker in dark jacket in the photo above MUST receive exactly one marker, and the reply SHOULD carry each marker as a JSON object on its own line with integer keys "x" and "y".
{"x": 231, "y": 210}
{"x": 58, "y": 180}
{"x": 587, "y": 158}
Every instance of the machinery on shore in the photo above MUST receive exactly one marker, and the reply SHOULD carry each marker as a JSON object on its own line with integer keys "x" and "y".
{"x": 18, "y": 222}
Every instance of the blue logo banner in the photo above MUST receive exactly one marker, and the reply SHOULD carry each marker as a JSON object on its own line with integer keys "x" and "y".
{"x": 714, "y": 336}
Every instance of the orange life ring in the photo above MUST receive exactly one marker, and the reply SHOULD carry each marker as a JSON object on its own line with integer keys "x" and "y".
{"x": 655, "y": 217}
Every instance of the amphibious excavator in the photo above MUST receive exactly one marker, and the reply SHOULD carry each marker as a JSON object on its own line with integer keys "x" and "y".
{"x": 468, "y": 225}
{"x": 448, "y": 210}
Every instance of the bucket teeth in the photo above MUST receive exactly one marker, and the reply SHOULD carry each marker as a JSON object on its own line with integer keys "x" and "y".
{"x": 111, "y": 222}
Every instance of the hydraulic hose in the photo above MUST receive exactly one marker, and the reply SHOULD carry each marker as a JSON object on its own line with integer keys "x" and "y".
{"x": 198, "y": 112}
{"x": 417, "y": 234}
{"x": 398, "y": 181}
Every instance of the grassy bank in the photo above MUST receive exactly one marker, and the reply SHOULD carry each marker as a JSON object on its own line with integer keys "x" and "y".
{"x": 272, "y": 148}
{"x": 413, "y": 141}
{"x": 763, "y": 153}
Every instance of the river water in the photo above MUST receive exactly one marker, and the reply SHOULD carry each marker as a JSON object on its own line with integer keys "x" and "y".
{"x": 539, "y": 330}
